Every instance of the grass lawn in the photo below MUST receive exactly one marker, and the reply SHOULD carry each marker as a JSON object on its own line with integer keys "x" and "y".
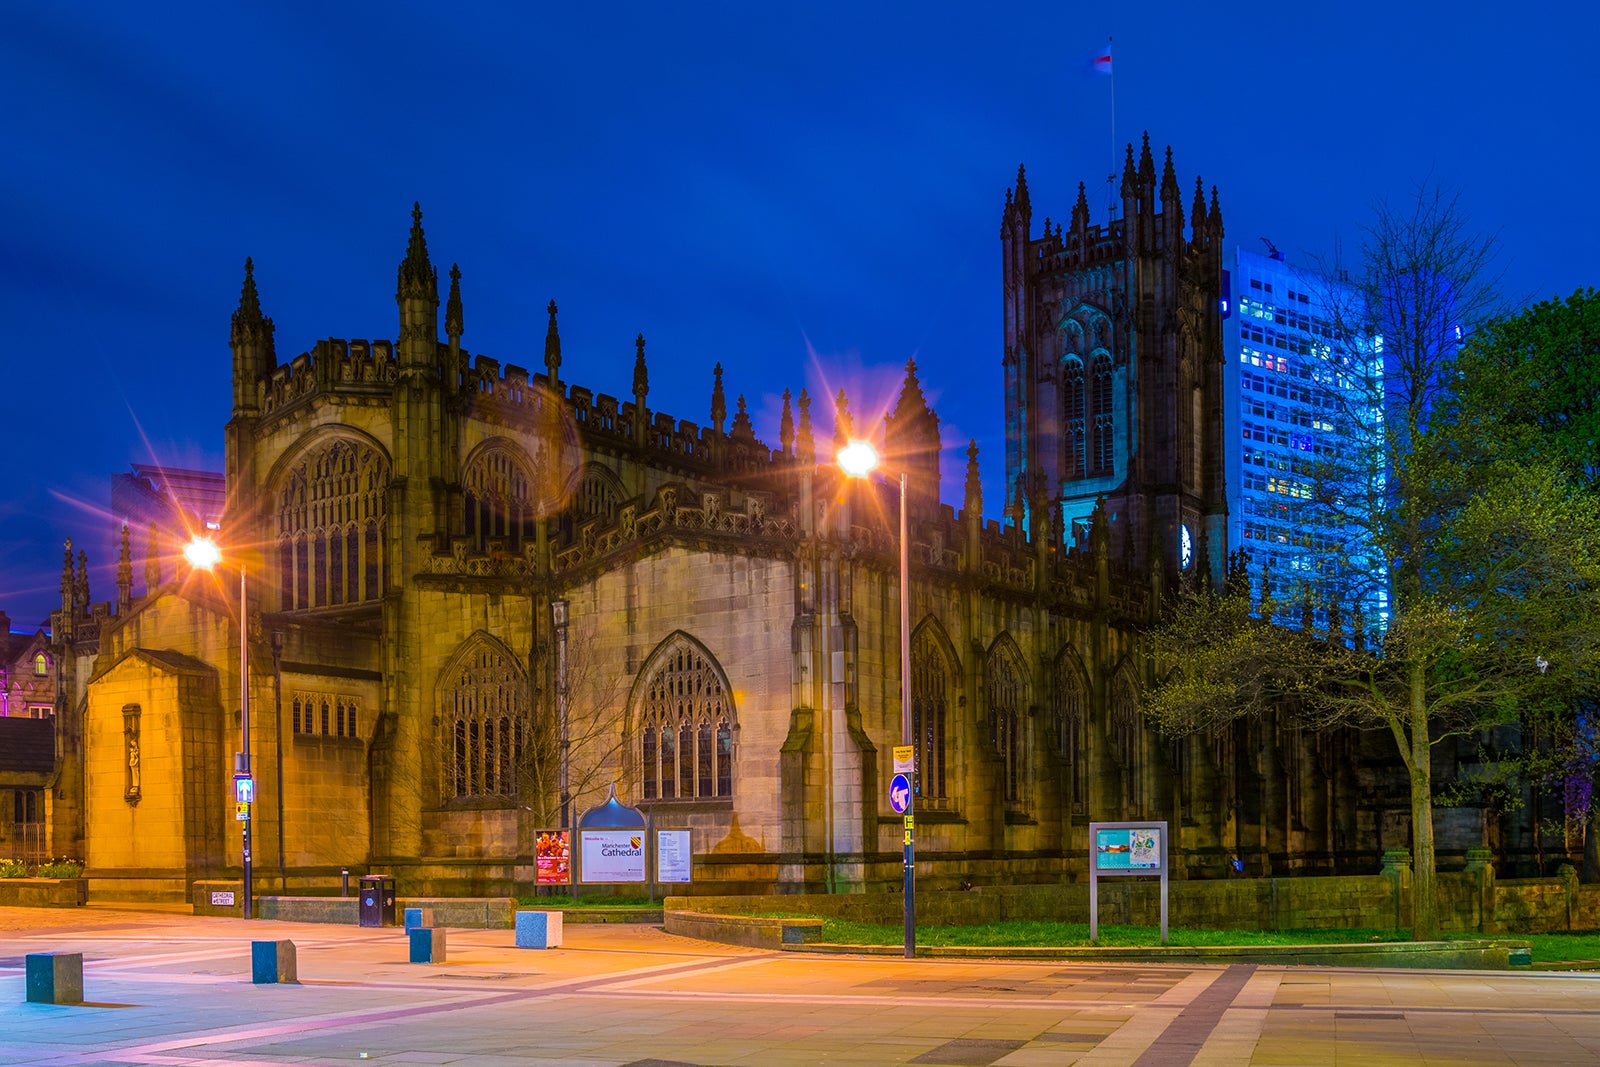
{"x": 1547, "y": 948}
{"x": 1077, "y": 934}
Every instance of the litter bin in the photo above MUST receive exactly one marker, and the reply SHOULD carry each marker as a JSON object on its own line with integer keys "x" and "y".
{"x": 377, "y": 900}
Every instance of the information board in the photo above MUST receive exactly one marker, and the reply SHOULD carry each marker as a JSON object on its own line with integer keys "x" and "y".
{"x": 612, "y": 855}
{"x": 1121, "y": 849}
{"x": 672, "y": 855}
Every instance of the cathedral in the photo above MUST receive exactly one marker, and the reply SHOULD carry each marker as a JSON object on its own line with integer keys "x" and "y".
{"x": 474, "y": 597}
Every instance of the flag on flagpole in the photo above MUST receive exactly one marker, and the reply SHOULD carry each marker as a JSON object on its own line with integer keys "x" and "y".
{"x": 1102, "y": 60}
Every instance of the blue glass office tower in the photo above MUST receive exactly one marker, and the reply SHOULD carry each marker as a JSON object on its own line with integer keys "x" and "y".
{"x": 1303, "y": 395}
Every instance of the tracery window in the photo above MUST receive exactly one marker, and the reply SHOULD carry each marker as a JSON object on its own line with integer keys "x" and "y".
{"x": 930, "y": 684}
{"x": 500, "y": 499}
{"x": 596, "y": 498}
{"x": 1007, "y": 697}
{"x": 331, "y": 513}
{"x": 41, "y": 665}
{"x": 1071, "y": 713}
{"x": 483, "y": 723}
{"x": 686, "y": 727}
{"x": 1072, "y": 418}
{"x": 1125, "y": 734}
{"x": 1104, "y": 419}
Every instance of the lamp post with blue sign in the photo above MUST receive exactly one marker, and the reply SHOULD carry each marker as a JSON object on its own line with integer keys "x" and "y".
{"x": 204, "y": 554}
{"x": 859, "y": 460}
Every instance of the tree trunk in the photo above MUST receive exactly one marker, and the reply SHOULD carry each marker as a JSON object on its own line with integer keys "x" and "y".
{"x": 1591, "y": 833}
{"x": 1423, "y": 921}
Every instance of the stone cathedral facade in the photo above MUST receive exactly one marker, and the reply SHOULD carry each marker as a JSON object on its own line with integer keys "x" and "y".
{"x": 446, "y": 555}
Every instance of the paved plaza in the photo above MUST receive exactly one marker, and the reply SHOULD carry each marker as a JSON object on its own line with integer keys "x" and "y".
{"x": 173, "y": 989}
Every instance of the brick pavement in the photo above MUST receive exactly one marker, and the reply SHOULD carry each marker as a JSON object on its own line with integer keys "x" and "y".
{"x": 167, "y": 989}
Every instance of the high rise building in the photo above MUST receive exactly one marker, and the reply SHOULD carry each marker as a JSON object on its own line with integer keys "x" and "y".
{"x": 1305, "y": 472}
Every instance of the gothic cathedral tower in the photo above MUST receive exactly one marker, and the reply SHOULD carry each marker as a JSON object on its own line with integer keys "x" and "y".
{"x": 1113, "y": 371}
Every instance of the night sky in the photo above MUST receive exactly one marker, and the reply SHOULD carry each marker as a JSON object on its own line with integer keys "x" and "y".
{"x": 809, "y": 194}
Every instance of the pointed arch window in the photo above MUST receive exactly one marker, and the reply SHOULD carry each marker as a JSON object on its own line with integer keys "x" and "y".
{"x": 930, "y": 685}
{"x": 1125, "y": 737}
{"x": 500, "y": 498}
{"x": 1071, "y": 715}
{"x": 686, "y": 727}
{"x": 1073, "y": 418}
{"x": 331, "y": 508}
{"x": 483, "y": 724}
{"x": 596, "y": 500}
{"x": 1007, "y": 699}
{"x": 1104, "y": 418}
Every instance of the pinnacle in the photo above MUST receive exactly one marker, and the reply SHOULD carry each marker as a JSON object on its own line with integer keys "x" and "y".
{"x": 641, "y": 376}
{"x": 417, "y": 276}
{"x": 552, "y": 343}
{"x": 452, "y": 312}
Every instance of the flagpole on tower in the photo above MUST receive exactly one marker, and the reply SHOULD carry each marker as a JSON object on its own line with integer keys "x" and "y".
{"x": 1111, "y": 177}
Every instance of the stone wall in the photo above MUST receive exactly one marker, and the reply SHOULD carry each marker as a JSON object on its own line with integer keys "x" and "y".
{"x": 1378, "y": 901}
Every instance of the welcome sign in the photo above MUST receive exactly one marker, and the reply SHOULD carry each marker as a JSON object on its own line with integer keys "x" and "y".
{"x": 612, "y": 855}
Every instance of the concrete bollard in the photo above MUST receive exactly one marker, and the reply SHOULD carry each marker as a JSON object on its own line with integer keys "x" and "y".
{"x": 55, "y": 977}
{"x": 272, "y": 961}
{"x": 538, "y": 929}
{"x": 427, "y": 945}
{"x": 418, "y": 917}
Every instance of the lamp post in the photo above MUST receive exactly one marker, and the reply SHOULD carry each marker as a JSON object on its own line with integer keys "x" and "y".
{"x": 203, "y": 553}
{"x": 859, "y": 459}
{"x": 558, "y": 618}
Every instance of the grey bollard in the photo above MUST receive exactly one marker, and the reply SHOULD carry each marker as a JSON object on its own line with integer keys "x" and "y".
{"x": 55, "y": 977}
{"x": 272, "y": 961}
{"x": 427, "y": 945}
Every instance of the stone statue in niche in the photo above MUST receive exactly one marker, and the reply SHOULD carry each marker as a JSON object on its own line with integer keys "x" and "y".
{"x": 133, "y": 766}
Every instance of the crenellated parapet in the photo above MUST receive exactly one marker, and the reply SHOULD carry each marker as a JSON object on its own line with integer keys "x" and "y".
{"x": 747, "y": 520}
{"x": 334, "y": 365}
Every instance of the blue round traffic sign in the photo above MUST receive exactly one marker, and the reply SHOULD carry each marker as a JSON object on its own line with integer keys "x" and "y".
{"x": 900, "y": 793}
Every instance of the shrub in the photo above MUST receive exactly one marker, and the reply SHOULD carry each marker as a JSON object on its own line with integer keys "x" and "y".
{"x": 62, "y": 868}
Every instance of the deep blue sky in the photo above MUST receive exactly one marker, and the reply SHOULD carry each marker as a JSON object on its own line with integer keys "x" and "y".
{"x": 809, "y": 194}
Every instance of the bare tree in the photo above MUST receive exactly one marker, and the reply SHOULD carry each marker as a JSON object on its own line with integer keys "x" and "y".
{"x": 593, "y": 695}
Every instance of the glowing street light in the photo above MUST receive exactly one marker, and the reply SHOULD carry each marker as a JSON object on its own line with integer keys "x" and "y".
{"x": 203, "y": 554}
{"x": 859, "y": 459}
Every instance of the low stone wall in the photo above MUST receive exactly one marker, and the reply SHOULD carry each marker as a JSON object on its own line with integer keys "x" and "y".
{"x": 43, "y": 892}
{"x": 344, "y": 911}
{"x": 461, "y": 913}
{"x": 752, "y": 931}
{"x": 1469, "y": 901}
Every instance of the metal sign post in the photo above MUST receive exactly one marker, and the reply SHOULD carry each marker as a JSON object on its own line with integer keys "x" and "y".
{"x": 1121, "y": 849}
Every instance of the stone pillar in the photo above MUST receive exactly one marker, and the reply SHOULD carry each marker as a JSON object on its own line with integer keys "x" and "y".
{"x": 1481, "y": 870}
{"x": 1397, "y": 867}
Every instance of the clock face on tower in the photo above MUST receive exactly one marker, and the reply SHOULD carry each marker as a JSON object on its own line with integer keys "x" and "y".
{"x": 1185, "y": 547}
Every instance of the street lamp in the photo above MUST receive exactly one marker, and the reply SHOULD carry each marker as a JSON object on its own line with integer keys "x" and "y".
{"x": 859, "y": 459}
{"x": 558, "y": 618}
{"x": 203, "y": 553}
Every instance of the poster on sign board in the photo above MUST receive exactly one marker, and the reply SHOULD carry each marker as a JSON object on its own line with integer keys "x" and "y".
{"x": 553, "y": 857}
{"x": 612, "y": 855}
{"x": 672, "y": 855}
{"x": 1135, "y": 849}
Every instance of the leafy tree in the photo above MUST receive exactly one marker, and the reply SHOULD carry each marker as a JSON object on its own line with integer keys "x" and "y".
{"x": 1529, "y": 386}
{"x": 1488, "y": 567}
{"x": 1511, "y": 580}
